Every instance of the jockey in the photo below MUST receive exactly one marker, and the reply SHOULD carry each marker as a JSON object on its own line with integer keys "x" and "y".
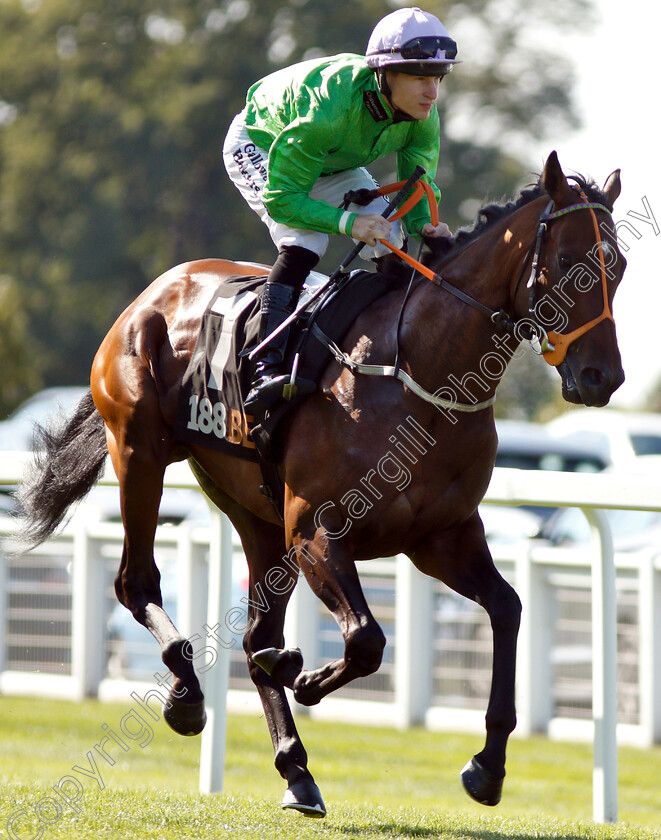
{"x": 302, "y": 141}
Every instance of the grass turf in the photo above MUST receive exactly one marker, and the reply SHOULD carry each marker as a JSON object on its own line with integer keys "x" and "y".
{"x": 377, "y": 783}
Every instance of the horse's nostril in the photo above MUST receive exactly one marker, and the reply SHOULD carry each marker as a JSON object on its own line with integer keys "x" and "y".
{"x": 597, "y": 384}
{"x": 593, "y": 378}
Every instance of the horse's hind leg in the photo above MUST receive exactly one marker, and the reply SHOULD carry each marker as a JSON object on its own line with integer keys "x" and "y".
{"x": 139, "y": 444}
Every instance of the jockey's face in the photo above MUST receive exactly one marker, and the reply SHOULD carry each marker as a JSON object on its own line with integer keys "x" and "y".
{"x": 415, "y": 95}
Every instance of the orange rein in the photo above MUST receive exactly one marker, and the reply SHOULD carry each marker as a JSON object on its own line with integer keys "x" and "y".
{"x": 421, "y": 189}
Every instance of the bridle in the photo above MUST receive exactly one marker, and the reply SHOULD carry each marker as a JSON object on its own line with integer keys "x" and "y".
{"x": 553, "y": 345}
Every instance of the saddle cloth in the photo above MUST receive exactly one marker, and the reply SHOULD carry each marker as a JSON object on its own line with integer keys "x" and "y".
{"x": 210, "y": 410}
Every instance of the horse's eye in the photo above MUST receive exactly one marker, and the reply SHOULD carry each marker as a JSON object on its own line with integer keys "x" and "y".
{"x": 565, "y": 261}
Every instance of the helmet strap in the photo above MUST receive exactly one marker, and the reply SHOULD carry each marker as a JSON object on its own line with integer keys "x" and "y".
{"x": 384, "y": 88}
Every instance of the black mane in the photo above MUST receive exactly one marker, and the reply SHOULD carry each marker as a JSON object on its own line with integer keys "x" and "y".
{"x": 490, "y": 214}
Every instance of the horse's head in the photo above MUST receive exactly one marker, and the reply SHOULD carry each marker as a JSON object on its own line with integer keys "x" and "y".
{"x": 570, "y": 291}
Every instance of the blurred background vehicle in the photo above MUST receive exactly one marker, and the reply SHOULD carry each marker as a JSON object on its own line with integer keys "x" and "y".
{"x": 529, "y": 446}
{"x": 17, "y": 431}
{"x": 7, "y": 502}
{"x": 632, "y": 530}
{"x": 533, "y": 446}
{"x": 618, "y": 436}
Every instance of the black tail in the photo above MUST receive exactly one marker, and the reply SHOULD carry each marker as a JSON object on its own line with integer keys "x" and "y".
{"x": 69, "y": 459}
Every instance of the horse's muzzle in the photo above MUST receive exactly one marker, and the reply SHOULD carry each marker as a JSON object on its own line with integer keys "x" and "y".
{"x": 591, "y": 386}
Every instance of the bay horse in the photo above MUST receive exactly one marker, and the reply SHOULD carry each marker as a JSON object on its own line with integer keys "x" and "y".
{"x": 539, "y": 262}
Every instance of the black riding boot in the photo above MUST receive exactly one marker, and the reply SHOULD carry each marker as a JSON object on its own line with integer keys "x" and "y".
{"x": 279, "y": 300}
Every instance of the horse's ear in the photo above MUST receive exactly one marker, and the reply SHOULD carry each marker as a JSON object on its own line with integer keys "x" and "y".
{"x": 553, "y": 180}
{"x": 613, "y": 186}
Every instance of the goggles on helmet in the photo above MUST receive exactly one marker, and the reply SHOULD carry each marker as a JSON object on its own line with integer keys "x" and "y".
{"x": 425, "y": 47}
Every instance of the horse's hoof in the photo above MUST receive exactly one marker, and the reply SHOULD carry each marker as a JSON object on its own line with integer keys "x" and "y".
{"x": 480, "y": 784}
{"x": 305, "y": 796}
{"x": 278, "y": 663}
{"x": 185, "y": 718}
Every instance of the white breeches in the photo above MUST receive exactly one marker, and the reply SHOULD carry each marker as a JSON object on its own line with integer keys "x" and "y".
{"x": 247, "y": 166}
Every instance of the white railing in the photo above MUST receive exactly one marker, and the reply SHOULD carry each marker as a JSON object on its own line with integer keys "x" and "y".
{"x": 205, "y": 563}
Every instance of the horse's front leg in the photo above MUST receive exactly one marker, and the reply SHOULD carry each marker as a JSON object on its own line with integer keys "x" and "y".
{"x": 330, "y": 571}
{"x": 462, "y": 560}
{"x": 264, "y": 546}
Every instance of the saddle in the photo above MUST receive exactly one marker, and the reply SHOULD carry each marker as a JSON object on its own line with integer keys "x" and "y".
{"x": 217, "y": 380}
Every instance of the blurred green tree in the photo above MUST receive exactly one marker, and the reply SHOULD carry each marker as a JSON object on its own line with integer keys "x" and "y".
{"x": 112, "y": 116}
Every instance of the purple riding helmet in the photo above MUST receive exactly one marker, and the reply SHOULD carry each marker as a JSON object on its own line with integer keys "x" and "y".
{"x": 411, "y": 41}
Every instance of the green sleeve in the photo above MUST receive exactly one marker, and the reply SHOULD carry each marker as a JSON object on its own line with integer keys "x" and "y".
{"x": 421, "y": 150}
{"x": 296, "y": 160}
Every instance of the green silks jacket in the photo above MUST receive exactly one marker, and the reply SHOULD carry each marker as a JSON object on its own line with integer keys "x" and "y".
{"x": 325, "y": 116}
